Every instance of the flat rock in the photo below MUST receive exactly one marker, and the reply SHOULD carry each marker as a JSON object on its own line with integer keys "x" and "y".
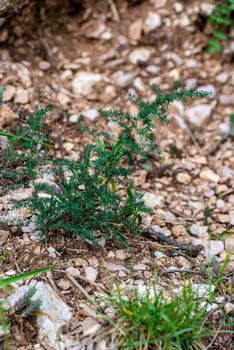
{"x": 198, "y": 114}
{"x": 140, "y": 55}
{"x": 114, "y": 267}
{"x": 165, "y": 231}
{"x": 84, "y": 81}
{"x": 9, "y": 92}
{"x": 21, "y": 96}
{"x": 135, "y": 30}
{"x": 203, "y": 290}
{"x": 211, "y": 247}
{"x": 152, "y": 22}
{"x": 229, "y": 245}
{"x": 59, "y": 314}
{"x": 91, "y": 114}
{"x": 183, "y": 178}
{"x": 91, "y": 273}
{"x": 197, "y": 230}
{"x": 226, "y": 100}
{"x": 231, "y": 218}
{"x": 123, "y": 79}
{"x": 178, "y": 231}
{"x": 152, "y": 200}
{"x": 209, "y": 175}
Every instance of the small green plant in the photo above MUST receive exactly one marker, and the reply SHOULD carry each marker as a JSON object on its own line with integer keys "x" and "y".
{"x": 231, "y": 118}
{"x": 95, "y": 196}
{"x": 153, "y": 321}
{"x": 24, "y": 153}
{"x": 221, "y": 18}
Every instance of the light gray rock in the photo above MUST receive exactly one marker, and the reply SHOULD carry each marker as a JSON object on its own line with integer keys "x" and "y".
{"x": 203, "y": 290}
{"x": 84, "y": 81}
{"x": 208, "y": 88}
{"x": 229, "y": 245}
{"x": 231, "y": 216}
{"x": 74, "y": 118}
{"x": 152, "y": 22}
{"x": 197, "y": 230}
{"x": 44, "y": 65}
{"x": 209, "y": 175}
{"x": 9, "y": 92}
{"x": 21, "y": 96}
{"x": 152, "y": 200}
{"x": 183, "y": 178}
{"x": 139, "y": 55}
{"x": 91, "y": 273}
{"x": 222, "y": 77}
{"x": 123, "y": 79}
{"x": 165, "y": 231}
{"x": 206, "y": 8}
{"x": 226, "y": 100}
{"x": 211, "y": 247}
{"x": 91, "y": 114}
{"x": 198, "y": 114}
{"x": 59, "y": 314}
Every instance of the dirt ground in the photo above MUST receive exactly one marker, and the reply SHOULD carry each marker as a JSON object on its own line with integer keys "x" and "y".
{"x": 41, "y": 53}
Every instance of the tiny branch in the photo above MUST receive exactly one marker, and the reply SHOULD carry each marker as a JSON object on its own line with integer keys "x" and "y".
{"x": 194, "y": 250}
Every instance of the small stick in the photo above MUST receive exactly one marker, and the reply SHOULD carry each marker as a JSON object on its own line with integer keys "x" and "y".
{"x": 81, "y": 289}
{"x": 188, "y": 248}
{"x": 181, "y": 271}
{"x": 114, "y": 11}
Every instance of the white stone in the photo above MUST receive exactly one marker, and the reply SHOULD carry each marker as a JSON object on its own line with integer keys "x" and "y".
{"x": 224, "y": 128}
{"x": 74, "y": 118}
{"x": 140, "y": 55}
{"x": 226, "y": 100}
{"x": 165, "y": 231}
{"x": 198, "y": 114}
{"x": 91, "y": 273}
{"x": 123, "y": 79}
{"x": 159, "y": 255}
{"x": 64, "y": 284}
{"x": 152, "y": 200}
{"x": 197, "y": 230}
{"x": 58, "y": 312}
{"x": 213, "y": 248}
{"x": 203, "y": 290}
{"x": 114, "y": 267}
{"x": 138, "y": 84}
{"x": 178, "y": 7}
{"x": 91, "y": 114}
{"x": 152, "y": 22}
{"x": 209, "y": 175}
{"x": 208, "y": 88}
{"x": 152, "y": 69}
{"x": 229, "y": 245}
{"x": 44, "y": 65}
{"x": 84, "y": 81}
{"x": 207, "y": 8}
{"x": 73, "y": 271}
{"x": 135, "y": 30}
{"x": 8, "y": 93}
{"x": 222, "y": 77}
{"x": 231, "y": 216}
{"x": 183, "y": 178}
{"x": 229, "y": 308}
{"x": 166, "y": 215}
{"x": 21, "y": 96}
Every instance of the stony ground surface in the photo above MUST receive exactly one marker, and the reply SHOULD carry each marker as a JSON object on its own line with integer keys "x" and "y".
{"x": 79, "y": 60}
